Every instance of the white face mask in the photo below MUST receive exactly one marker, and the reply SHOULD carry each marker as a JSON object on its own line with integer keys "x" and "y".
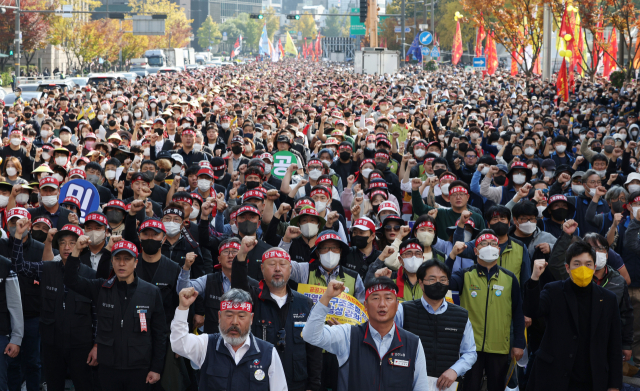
{"x": 50, "y": 200}
{"x": 329, "y": 260}
{"x": 579, "y": 189}
{"x": 172, "y": 228}
{"x": 44, "y": 133}
{"x": 58, "y": 177}
{"x": 267, "y": 168}
{"x": 315, "y": 174}
{"x": 125, "y": 118}
{"x": 412, "y": 264}
{"x": 176, "y": 169}
{"x": 519, "y": 179}
{"x": 527, "y": 228}
{"x": 110, "y": 174}
{"x": 534, "y": 170}
{"x": 22, "y": 199}
{"x": 234, "y": 229}
{"x": 321, "y": 206}
{"x": 425, "y": 238}
{"x": 601, "y": 260}
{"x": 467, "y": 236}
{"x": 15, "y": 141}
{"x": 327, "y": 162}
{"x": 540, "y": 210}
{"x": 225, "y": 125}
{"x": 45, "y": 155}
{"x": 529, "y": 151}
{"x": 146, "y": 152}
{"x": 561, "y": 148}
{"x": 309, "y": 230}
{"x": 419, "y": 153}
{"x": 204, "y": 184}
{"x": 445, "y": 189}
{"x": 371, "y": 145}
{"x": 194, "y": 214}
{"x": 592, "y": 192}
{"x": 11, "y": 171}
{"x": 4, "y": 200}
{"x": 489, "y": 253}
{"x": 61, "y": 160}
{"x": 485, "y": 170}
{"x": 197, "y": 147}
{"x": 96, "y": 237}
{"x": 366, "y": 172}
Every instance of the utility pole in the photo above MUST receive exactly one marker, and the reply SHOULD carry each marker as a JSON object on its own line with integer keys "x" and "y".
{"x": 402, "y": 20}
{"x": 432, "y": 25}
{"x": 546, "y": 43}
{"x": 17, "y": 42}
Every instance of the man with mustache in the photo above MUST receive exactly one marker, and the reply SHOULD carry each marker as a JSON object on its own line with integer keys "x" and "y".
{"x": 239, "y": 361}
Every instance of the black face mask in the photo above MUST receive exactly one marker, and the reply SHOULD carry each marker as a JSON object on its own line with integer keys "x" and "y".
{"x": 360, "y": 241}
{"x": 375, "y": 208}
{"x": 345, "y": 155}
{"x": 160, "y": 176}
{"x": 112, "y": 123}
{"x": 561, "y": 214}
{"x": 252, "y": 184}
{"x": 151, "y": 246}
{"x": 500, "y": 180}
{"x": 115, "y": 216}
{"x": 463, "y": 147}
{"x": 27, "y": 115}
{"x": 596, "y": 149}
{"x": 33, "y": 198}
{"x": 608, "y": 148}
{"x": 500, "y": 229}
{"x": 39, "y": 235}
{"x": 148, "y": 176}
{"x": 247, "y": 228}
{"x": 439, "y": 172}
{"x": 402, "y": 120}
{"x": 381, "y": 166}
{"x": 616, "y": 206}
{"x": 236, "y": 150}
{"x": 435, "y": 291}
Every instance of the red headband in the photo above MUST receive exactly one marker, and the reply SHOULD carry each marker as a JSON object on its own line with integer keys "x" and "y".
{"x": 379, "y": 192}
{"x": 276, "y": 254}
{"x": 43, "y": 220}
{"x": 314, "y": 161}
{"x": 304, "y": 202}
{"x": 448, "y": 177}
{"x": 183, "y": 199}
{"x": 428, "y": 160}
{"x": 231, "y": 306}
{"x": 382, "y": 154}
{"x": 374, "y": 175}
{"x": 321, "y": 191}
{"x": 458, "y": 189}
{"x": 379, "y": 288}
{"x": 230, "y": 245}
{"x": 346, "y": 147}
{"x": 425, "y": 224}
{"x": 486, "y": 237}
{"x": 411, "y": 246}
{"x": 188, "y": 131}
{"x": 365, "y": 161}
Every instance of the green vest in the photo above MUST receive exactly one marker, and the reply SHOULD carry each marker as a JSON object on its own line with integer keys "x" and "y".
{"x": 334, "y": 179}
{"x": 489, "y": 306}
{"x": 393, "y": 166}
{"x": 408, "y": 293}
{"x": 511, "y": 258}
{"x": 316, "y": 278}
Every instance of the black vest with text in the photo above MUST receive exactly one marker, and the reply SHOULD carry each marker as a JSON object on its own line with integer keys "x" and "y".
{"x": 166, "y": 279}
{"x": 121, "y": 341}
{"x": 267, "y": 324}
{"x": 441, "y": 335}
{"x": 221, "y": 373}
{"x": 364, "y": 370}
{"x": 65, "y": 318}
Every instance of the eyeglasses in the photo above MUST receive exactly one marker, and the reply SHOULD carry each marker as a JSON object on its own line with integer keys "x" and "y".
{"x": 281, "y": 343}
{"x": 594, "y": 183}
{"x": 326, "y": 249}
{"x": 433, "y": 280}
{"x": 523, "y": 220}
{"x": 409, "y": 254}
{"x": 485, "y": 243}
{"x": 169, "y": 219}
{"x": 227, "y": 253}
{"x": 392, "y": 227}
{"x": 471, "y": 156}
{"x": 601, "y": 249}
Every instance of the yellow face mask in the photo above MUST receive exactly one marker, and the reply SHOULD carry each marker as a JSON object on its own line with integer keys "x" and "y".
{"x": 582, "y": 276}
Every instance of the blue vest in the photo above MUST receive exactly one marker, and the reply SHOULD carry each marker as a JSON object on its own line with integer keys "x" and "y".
{"x": 507, "y": 194}
{"x": 220, "y": 372}
{"x": 364, "y": 370}
{"x": 582, "y": 203}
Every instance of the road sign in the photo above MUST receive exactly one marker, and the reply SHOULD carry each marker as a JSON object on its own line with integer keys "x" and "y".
{"x": 356, "y": 28}
{"x": 100, "y": 61}
{"x": 435, "y": 52}
{"x": 425, "y": 38}
{"x": 479, "y": 63}
{"x": 397, "y": 29}
{"x": 66, "y": 11}
{"x": 224, "y": 37}
{"x": 425, "y": 51}
{"x": 407, "y": 29}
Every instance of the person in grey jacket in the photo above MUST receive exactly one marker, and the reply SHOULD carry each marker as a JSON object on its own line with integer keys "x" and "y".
{"x": 11, "y": 325}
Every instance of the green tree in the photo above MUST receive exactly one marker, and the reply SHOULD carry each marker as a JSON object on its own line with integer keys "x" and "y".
{"x": 447, "y": 27}
{"x": 336, "y": 26}
{"x": 209, "y": 33}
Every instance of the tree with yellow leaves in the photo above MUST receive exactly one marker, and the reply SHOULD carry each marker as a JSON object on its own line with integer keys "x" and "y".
{"x": 306, "y": 24}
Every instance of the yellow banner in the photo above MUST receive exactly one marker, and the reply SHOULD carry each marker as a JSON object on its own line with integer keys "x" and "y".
{"x": 345, "y": 308}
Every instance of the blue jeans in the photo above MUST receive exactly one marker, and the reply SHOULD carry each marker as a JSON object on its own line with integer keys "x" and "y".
{"x": 26, "y": 366}
{"x": 4, "y": 362}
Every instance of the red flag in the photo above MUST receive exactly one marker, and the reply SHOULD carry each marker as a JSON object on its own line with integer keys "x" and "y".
{"x": 456, "y": 51}
{"x": 611, "y": 54}
{"x": 514, "y": 63}
{"x": 562, "y": 84}
{"x": 479, "y": 37}
{"x": 492, "y": 55}
{"x": 597, "y": 48}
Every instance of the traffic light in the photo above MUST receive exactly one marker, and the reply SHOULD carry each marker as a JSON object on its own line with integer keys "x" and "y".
{"x": 11, "y": 51}
{"x": 256, "y": 16}
{"x": 363, "y": 10}
{"x": 296, "y": 17}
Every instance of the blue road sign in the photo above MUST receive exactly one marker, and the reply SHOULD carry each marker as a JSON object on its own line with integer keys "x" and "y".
{"x": 425, "y": 38}
{"x": 435, "y": 52}
{"x": 479, "y": 63}
{"x": 397, "y": 29}
{"x": 425, "y": 51}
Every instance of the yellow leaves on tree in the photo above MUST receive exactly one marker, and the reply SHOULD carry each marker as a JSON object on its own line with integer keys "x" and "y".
{"x": 209, "y": 33}
{"x": 306, "y": 24}
{"x": 177, "y": 26}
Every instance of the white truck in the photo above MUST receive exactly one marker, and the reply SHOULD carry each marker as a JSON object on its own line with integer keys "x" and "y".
{"x": 139, "y": 62}
{"x": 376, "y": 61}
{"x": 160, "y": 58}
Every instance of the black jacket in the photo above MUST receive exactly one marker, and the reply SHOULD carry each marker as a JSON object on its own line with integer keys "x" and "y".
{"x": 104, "y": 265}
{"x": 554, "y": 361}
{"x": 63, "y": 215}
{"x": 269, "y": 318}
{"x": 29, "y": 288}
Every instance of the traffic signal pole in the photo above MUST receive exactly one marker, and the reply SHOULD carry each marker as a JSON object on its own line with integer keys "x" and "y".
{"x": 17, "y": 41}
